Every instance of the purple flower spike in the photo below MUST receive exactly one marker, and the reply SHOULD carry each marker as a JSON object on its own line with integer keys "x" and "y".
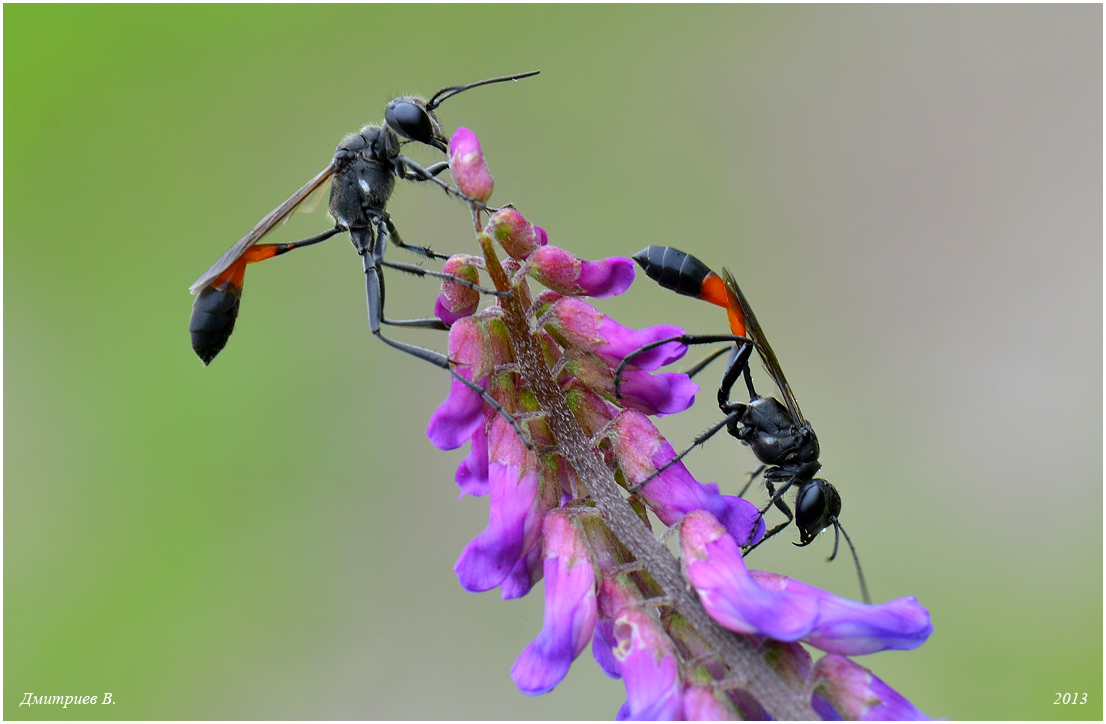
{"x": 570, "y": 608}
{"x": 853, "y": 628}
{"x": 730, "y": 595}
{"x": 472, "y": 473}
{"x": 466, "y": 163}
{"x": 458, "y": 301}
{"x": 662, "y": 393}
{"x": 674, "y": 493}
{"x": 648, "y": 665}
{"x": 562, "y": 272}
{"x": 514, "y": 519}
{"x": 515, "y": 234}
{"x": 857, "y": 694}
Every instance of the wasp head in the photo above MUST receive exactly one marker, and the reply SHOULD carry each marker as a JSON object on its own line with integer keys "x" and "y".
{"x": 411, "y": 118}
{"x": 816, "y": 508}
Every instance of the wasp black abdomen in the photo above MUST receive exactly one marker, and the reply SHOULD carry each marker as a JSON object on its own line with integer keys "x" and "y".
{"x": 213, "y": 315}
{"x": 673, "y": 269}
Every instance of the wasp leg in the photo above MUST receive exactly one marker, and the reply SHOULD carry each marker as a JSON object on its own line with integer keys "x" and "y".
{"x": 737, "y": 365}
{"x": 703, "y": 437}
{"x": 752, "y": 476}
{"x": 701, "y": 364}
{"x": 423, "y": 323}
{"x": 393, "y": 234}
{"x": 281, "y": 248}
{"x": 688, "y": 339}
{"x": 413, "y": 171}
{"x": 420, "y": 272}
{"x": 776, "y": 500}
{"x": 372, "y": 250}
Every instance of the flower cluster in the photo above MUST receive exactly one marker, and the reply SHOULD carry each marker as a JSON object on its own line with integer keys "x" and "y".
{"x": 543, "y": 523}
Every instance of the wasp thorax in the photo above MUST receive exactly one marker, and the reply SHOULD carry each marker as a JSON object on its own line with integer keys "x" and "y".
{"x": 352, "y": 145}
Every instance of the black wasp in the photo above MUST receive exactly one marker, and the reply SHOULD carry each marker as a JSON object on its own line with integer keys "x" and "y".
{"x": 780, "y": 437}
{"x": 361, "y": 175}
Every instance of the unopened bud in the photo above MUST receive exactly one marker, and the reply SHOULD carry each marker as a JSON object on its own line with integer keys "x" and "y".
{"x": 466, "y": 163}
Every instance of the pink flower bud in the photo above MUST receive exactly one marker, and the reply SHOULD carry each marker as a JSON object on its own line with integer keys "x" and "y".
{"x": 466, "y": 163}
{"x": 589, "y": 409}
{"x": 515, "y": 234}
{"x": 457, "y": 300}
{"x": 562, "y": 272}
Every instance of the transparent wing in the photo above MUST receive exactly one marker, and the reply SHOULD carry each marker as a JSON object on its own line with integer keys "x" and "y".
{"x": 310, "y": 202}
{"x": 310, "y": 192}
{"x": 752, "y": 328}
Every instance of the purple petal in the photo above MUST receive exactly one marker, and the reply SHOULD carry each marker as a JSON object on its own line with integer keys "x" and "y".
{"x": 444, "y": 313}
{"x": 619, "y": 341}
{"x": 852, "y": 628}
{"x": 730, "y": 595}
{"x": 856, "y": 693}
{"x": 457, "y": 418}
{"x": 492, "y": 555}
{"x": 466, "y": 163}
{"x": 648, "y": 665}
{"x": 661, "y": 393}
{"x": 602, "y": 648}
{"x": 606, "y": 277}
{"x": 824, "y": 709}
{"x": 570, "y": 609}
{"x": 472, "y": 473}
{"x": 526, "y": 573}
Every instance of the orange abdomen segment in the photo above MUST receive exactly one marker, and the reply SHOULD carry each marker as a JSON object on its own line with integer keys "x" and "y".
{"x": 714, "y": 291}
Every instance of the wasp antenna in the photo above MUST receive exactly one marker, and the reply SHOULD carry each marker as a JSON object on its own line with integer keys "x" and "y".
{"x": 859, "y": 572}
{"x": 453, "y": 90}
{"x": 836, "y": 540}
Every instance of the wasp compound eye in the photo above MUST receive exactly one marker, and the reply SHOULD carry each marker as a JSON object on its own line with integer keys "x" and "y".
{"x": 810, "y": 510}
{"x": 410, "y": 120}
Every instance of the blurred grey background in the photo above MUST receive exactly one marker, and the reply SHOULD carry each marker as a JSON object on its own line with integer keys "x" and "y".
{"x": 910, "y": 196}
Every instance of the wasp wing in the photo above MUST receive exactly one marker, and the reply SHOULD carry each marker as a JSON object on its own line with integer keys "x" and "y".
{"x": 310, "y": 202}
{"x": 310, "y": 192}
{"x": 755, "y": 333}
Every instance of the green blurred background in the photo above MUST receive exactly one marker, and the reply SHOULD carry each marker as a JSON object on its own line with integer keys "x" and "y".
{"x": 911, "y": 196}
